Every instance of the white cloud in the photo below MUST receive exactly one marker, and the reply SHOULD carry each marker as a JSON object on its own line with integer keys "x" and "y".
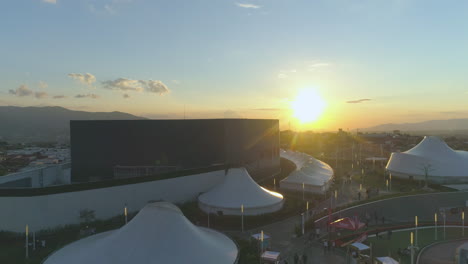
{"x": 282, "y": 76}
{"x": 86, "y": 78}
{"x": 21, "y": 91}
{"x": 247, "y": 5}
{"x": 59, "y": 97}
{"x": 41, "y": 95}
{"x": 319, "y": 64}
{"x": 50, "y": 1}
{"x": 110, "y": 9}
{"x": 124, "y": 84}
{"x": 42, "y": 84}
{"x": 156, "y": 87}
{"x": 92, "y": 96}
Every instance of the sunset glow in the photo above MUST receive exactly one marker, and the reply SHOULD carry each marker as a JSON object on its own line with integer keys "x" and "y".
{"x": 308, "y": 106}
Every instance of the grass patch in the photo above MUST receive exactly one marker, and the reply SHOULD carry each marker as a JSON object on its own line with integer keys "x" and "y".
{"x": 401, "y": 240}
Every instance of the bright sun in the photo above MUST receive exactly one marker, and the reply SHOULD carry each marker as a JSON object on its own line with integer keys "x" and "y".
{"x": 308, "y": 106}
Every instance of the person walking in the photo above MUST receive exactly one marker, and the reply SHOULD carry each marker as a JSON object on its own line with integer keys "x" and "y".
{"x": 296, "y": 258}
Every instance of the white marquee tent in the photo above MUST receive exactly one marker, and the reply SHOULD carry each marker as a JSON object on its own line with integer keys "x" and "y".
{"x": 159, "y": 233}
{"x": 313, "y": 174}
{"x": 431, "y": 155}
{"x": 239, "y": 189}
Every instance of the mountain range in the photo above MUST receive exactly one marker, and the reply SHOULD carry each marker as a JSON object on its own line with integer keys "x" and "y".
{"x": 49, "y": 123}
{"x": 431, "y": 125}
{"x": 52, "y": 123}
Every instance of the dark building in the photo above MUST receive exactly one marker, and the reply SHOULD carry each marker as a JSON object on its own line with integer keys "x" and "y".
{"x": 102, "y": 150}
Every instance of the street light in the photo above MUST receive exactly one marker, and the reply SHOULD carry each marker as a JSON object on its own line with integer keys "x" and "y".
{"x": 303, "y": 224}
{"x": 336, "y": 196}
{"x": 390, "y": 177}
{"x": 27, "y": 241}
{"x": 416, "y": 227}
{"x": 125, "y": 214}
{"x": 261, "y": 241}
{"x": 463, "y": 223}
{"x": 412, "y": 248}
{"x": 242, "y": 217}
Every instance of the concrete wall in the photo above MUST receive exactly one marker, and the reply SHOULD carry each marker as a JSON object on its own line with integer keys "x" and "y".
{"x": 432, "y": 179}
{"x": 40, "y": 177}
{"x": 237, "y": 211}
{"x": 308, "y": 188}
{"x": 50, "y": 211}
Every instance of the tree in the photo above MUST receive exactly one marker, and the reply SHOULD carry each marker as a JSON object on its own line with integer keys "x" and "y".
{"x": 427, "y": 168}
{"x": 87, "y": 216}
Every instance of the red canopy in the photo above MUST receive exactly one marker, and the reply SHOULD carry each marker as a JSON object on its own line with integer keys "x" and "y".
{"x": 347, "y": 223}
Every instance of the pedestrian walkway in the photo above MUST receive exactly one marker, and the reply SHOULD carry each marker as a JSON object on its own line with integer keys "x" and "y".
{"x": 441, "y": 253}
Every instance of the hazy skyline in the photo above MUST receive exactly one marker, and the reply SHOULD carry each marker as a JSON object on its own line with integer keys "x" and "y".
{"x": 372, "y": 61}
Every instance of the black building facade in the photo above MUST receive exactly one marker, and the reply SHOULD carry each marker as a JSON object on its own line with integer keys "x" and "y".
{"x": 103, "y": 150}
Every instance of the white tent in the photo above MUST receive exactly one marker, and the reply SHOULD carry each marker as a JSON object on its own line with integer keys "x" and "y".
{"x": 359, "y": 246}
{"x": 385, "y": 260}
{"x": 159, "y": 233}
{"x": 314, "y": 174}
{"x": 239, "y": 189}
{"x": 431, "y": 155}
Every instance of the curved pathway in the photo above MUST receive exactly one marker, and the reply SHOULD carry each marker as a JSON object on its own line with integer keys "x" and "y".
{"x": 441, "y": 253}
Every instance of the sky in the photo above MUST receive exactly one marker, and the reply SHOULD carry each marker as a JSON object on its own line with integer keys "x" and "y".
{"x": 370, "y": 61}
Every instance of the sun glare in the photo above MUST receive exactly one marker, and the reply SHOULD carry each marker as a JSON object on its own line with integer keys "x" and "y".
{"x": 308, "y": 106}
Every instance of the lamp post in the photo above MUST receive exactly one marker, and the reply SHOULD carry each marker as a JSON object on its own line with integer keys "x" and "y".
{"x": 303, "y": 224}
{"x": 463, "y": 223}
{"x": 416, "y": 229}
{"x": 445, "y": 218}
{"x": 412, "y": 248}
{"x": 242, "y": 217}
{"x": 125, "y": 214}
{"x": 261, "y": 242}
{"x": 390, "y": 178}
{"x": 336, "y": 197}
{"x": 34, "y": 241}
{"x": 435, "y": 222}
{"x": 27, "y": 241}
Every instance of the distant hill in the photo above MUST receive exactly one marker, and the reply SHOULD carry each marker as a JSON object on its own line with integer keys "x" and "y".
{"x": 49, "y": 123}
{"x": 432, "y": 125}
